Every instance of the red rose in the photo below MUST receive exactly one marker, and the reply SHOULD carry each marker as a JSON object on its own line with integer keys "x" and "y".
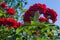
{"x": 11, "y": 11}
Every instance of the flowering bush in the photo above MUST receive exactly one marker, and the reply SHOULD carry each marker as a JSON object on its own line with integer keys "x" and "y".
{"x": 33, "y": 27}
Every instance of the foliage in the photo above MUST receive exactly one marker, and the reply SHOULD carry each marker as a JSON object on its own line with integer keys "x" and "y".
{"x": 34, "y": 29}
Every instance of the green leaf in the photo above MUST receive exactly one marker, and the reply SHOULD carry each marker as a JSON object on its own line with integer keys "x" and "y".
{"x": 1, "y": 0}
{"x": 21, "y": 5}
{"x": 32, "y": 22}
{"x": 17, "y": 39}
{"x": 36, "y": 16}
{"x": 18, "y": 30}
{"x": 24, "y": 10}
{"x": 44, "y": 38}
{"x": 20, "y": 38}
{"x": 1, "y": 14}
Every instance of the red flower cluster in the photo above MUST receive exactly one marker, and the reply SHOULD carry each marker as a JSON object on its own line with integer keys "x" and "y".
{"x": 30, "y": 13}
{"x": 10, "y": 11}
{"x": 27, "y": 17}
{"x": 38, "y": 7}
{"x": 42, "y": 10}
{"x": 10, "y": 22}
{"x": 41, "y": 19}
{"x": 3, "y": 5}
{"x": 51, "y": 14}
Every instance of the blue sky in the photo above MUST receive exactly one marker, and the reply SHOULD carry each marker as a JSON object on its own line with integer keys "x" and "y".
{"x": 53, "y": 4}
